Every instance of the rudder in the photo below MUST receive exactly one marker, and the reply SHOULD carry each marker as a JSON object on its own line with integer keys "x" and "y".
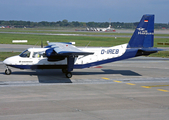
{"x": 143, "y": 35}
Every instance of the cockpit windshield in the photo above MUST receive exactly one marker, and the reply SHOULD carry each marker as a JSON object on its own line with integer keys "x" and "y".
{"x": 25, "y": 53}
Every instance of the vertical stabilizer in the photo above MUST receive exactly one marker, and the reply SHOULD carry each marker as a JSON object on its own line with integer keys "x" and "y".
{"x": 143, "y": 35}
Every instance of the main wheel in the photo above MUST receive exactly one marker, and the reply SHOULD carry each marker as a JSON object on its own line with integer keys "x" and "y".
{"x": 8, "y": 71}
{"x": 68, "y": 74}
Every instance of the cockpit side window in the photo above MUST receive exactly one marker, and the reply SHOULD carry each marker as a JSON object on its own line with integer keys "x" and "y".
{"x": 25, "y": 54}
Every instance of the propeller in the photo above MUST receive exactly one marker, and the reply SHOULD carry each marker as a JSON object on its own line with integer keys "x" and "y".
{"x": 41, "y": 43}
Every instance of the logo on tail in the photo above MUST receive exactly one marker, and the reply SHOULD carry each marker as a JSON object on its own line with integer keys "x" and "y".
{"x": 142, "y": 31}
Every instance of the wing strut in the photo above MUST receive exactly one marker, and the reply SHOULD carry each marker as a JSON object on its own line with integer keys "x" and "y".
{"x": 70, "y": 63}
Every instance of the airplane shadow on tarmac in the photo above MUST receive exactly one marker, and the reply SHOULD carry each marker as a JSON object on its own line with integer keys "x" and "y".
{"x": 109, "y": 71}
{"x": 52, "y": 76}
{"x": 56, "y": 76}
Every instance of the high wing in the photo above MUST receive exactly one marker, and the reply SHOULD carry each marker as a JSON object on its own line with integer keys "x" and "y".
{"x": 59, "y": 51}
{"x": 68, "y": 49}
{"x": 65, "y": 49}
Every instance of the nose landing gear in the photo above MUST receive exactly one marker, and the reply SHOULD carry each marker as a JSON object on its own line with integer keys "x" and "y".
{"x": 8, "y": 71}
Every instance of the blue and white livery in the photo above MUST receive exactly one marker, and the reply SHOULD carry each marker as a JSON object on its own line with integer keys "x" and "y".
{"x": 67, "y": 57}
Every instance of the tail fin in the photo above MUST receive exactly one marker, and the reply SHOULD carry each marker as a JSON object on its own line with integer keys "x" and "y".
{"x": 144, "y": 33}
{"x": 109, "y": 27}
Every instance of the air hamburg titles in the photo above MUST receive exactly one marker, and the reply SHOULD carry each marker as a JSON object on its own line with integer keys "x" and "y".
{"x": 142, "y": 31}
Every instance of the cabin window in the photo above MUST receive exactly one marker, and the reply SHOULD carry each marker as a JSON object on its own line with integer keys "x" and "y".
{"x": 25, "y": 54}
{"x": 38, "y": 55}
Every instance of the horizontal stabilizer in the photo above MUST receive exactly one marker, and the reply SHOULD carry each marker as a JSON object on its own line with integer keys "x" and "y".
{"x": 151, "y": 49}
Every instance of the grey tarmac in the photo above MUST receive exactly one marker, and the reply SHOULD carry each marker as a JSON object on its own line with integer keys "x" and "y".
{"x": 133, "y": 89}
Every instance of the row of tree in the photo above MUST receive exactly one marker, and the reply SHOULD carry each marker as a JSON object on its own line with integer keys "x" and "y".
{"x": 65, "y": 23}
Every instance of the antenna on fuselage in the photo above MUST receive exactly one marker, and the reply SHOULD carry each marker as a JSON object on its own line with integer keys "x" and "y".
{"x": 40, "y": 43}
{"x": 88, "y": 44}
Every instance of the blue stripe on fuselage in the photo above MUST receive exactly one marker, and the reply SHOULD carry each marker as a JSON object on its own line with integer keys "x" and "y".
{"x": 21, "y": 66}
{"x": 39, "y": 66}
{"x": 128, "y": 54}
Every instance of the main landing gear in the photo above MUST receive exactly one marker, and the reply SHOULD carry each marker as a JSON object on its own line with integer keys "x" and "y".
{"x": 8, "y": 71}
{"x": 67, "y": 74}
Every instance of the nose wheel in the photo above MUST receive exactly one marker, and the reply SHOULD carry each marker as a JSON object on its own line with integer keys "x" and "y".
{"x": 8, "y": 71}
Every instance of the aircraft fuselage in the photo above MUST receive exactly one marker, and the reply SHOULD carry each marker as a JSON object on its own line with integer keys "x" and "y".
{"x": 34, "y": 58}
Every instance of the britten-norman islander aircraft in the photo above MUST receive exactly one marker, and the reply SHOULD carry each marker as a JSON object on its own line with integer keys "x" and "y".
{"x": 67, "y": 57}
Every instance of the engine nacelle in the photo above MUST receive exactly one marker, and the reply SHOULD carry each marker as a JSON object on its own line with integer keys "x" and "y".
{"x": 50, "y": 52}
{"x": 52, "y": 55}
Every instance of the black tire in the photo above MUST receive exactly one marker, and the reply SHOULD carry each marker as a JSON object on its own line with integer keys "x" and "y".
{"x": 8, "y": 71}
{"x": 68, "y": 74}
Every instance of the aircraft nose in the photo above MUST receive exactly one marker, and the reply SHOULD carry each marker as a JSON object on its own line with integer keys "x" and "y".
{"x": 11, "y": 60}
{"x": 6, "y": 61}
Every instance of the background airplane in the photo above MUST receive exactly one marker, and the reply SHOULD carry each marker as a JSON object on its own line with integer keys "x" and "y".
{"x": 100, "y": 29}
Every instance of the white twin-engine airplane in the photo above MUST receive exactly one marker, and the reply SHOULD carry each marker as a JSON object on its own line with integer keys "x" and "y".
{"x": 67, "y": 57}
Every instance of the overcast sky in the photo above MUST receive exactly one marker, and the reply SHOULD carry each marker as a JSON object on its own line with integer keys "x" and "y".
{"x": 84, "y": 10}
